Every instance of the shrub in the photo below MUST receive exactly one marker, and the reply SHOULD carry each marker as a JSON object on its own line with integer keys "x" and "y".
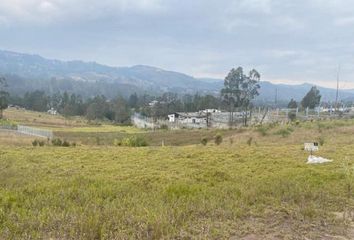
{"x": 117, "y": 142}
{"x": 37, "y": 142}
{"x": 249, "y": 141}
{"x": 321, "y": 141}
{"x": 263, "y": 130}
{"x": 65, "y": 144}
{"x": 134, "y": 141}
{"x": 292, "y": 116}
{"x": 285, "y": 132}
{"x": 164, "y": 127}
{"x": 57, "y": 142}
{"x": 231, "y": 140}
{"x": 218, "y": 139}
{"x": 204, "y": 141}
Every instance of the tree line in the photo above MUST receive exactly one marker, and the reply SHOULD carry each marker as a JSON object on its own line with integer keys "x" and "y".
{"x": 238, "y": 94}
{"x": 118, "y": 109}
{"x": 311, "y": 100}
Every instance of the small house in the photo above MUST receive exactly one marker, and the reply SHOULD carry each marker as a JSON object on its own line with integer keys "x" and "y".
{"x": 188, "y": 118}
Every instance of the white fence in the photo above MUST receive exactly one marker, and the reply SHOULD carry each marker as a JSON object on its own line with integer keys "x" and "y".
{"x": 35, "y": 131}
{"x": 257, "y": 116}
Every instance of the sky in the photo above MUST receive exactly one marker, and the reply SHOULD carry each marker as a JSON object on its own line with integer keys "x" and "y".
{"x": 287, "y": 41}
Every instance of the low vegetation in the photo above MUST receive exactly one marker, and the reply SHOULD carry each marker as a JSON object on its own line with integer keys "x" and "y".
{"x": 247, "y": 184}
{"x": 133, "y": 141}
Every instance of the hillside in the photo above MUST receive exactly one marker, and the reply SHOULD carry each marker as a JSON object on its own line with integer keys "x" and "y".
{"x": 32, "y": 72}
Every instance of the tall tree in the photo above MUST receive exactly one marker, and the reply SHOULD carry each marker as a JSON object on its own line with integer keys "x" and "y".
{"x": 292, "y": 104}
{"x": 37, "y": 101}
{"x": 97, "y": 108}
{"x": 121, "y": 111}
{"x": 4, "y": 96}
{"x": 312, "y": 98}
{"x": 239, "y": 90}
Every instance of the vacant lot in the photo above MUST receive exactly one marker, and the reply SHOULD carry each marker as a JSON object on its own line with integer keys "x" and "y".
{"x": 235, "y": 190}
{"x": 255, "y": 185}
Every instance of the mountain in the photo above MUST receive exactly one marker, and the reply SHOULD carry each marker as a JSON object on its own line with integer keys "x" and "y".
{"x": 140, "y": 77}
{"x": 285, "y": 92}
{"x": 26, "y": 72}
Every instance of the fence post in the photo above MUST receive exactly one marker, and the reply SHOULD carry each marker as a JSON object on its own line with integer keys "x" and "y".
{"x": 277, "y": 114}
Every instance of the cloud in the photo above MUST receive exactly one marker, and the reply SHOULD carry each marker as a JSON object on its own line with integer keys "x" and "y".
{"x": 344, "y": 21}
{"x": 42, "y": 11}
{"x": 301, "y": 40}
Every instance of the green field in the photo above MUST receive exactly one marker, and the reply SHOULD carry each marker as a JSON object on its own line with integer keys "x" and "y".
{"x": 255, "y": 185}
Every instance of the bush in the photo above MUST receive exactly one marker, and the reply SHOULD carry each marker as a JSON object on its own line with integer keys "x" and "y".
{"x": 134, "y": 141}
{"x": 37, "y": 142}
{"x": 321, "y": 141}
{"x": 285, "y": 132}
{"x": 57, "y": 142}
{"x": 249, "y": 141}
{"x": 263, "y": 130}
{"x": 204, "y": 141}
{"x": 65, "y": 144}
{"x": 218, "y": 139}
{"x": 292, "y": 116}
{"x": 117, "y": 142}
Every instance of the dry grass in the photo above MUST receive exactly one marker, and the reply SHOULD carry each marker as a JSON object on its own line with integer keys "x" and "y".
{"x": 11, "y": 138}
{"x": 236, "y": 190}
{"x": 32, "y": 118}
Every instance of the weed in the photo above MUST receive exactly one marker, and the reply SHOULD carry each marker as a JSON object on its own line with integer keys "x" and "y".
{"x": 57, "y": 142}
{"x": 134, "y": 141}
{"x": 263, "y": 130}
{"x": 249, "y": 141}
{"x": 292, "y": 116}
{"x": 284, "y": 132}
{"x": 218, "y": 139}
{"x": 321, "y": 140}
{"x": 37, "y": 142}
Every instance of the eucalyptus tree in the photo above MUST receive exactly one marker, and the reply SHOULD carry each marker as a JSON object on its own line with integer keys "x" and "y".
{"x": 4, "y": 96}
{"x": 239, "y": 90}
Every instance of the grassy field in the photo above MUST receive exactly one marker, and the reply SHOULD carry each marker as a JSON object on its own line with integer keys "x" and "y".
{"x": 255, "y": 185}
{"x": 44, "y": 120}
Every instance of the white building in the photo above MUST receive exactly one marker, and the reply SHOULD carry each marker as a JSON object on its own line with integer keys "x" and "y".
{"x": 187, "y": 118}
{"x": 52, "y": 111}
{"x": 210, "y": 111}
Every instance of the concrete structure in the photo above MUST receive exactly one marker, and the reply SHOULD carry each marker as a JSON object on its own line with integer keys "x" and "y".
{"x": 52, "y": 111}
{"x": 188, "y": 118}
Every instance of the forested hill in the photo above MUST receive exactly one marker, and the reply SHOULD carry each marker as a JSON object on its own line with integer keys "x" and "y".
{"x": 26, "y": 72}
{"x": 89, "y": 78}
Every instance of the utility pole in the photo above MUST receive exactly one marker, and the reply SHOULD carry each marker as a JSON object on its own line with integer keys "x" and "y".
{"x": 337, "y": 93}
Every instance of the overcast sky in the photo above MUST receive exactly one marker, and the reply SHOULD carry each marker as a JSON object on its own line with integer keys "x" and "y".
{"x": 289, "y": 41}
